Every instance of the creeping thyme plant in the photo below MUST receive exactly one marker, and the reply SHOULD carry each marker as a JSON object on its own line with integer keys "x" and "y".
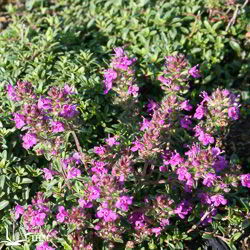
{"x": 166, "y": 183}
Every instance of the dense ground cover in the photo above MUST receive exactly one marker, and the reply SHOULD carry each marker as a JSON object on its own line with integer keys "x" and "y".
{"x": 124, "y": 124}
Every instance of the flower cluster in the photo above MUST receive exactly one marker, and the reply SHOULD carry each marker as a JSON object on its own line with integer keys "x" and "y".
{"x": 44, "y": 118}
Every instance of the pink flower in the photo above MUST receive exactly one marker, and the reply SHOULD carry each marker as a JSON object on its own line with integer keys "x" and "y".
{"x": 44, "y": 104}
{"x": 165, "y": 81}
{"x": 119, "y": 52}
{"x": 123, "y": 202}
{"x": 112, "y": 141}
{"x": 133, "y": 90}
{"x": 156, "y": 230}
{"x": 245, "y": 180}
{"x": 218, "y": 199}
{"x": 175, "y": 159}
{"x": 199, "y": 112}
{"x": 164, "y": 222}
{"x": 62, "y": 214}
{"x": 38, "y": 219}
{"x": 19, "y": 210}
{"x": 44, "y": 246}
{"x": 186, "y": 106}
{"x": 48, "y": 174}
{"x": 137, "y": 146}
{"x": 73, "y": 173}
{"x": 95, "y": 193}
{"x": 12, "y": 93}
{"x": 85, "y": 203}
{"x": 209, "y": 179}
{"x": 107, "y": 214}
{"x": 109, "y": 76}
{"x": 152, "y": 105}
{"x": 145, "y": 124}
{"x": 183, "y": 209}
{"x": 194, "y": 72}
{"x": 19, "y": 119}
{"x": 99, "y": 150}
{"x": 29, "y": 140}
{"x": 68, "y": 111}
{"x": 233, "y": 113}
{"x": 57, "y": 127}
{"x": 203, "y": 137}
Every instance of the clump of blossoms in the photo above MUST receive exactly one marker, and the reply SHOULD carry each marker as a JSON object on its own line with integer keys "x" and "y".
{"x": 46, "y": 120}
{"x": 120, "y": 77}
{"x": 215, "y": 113}
{"x": 176, "y": 74}
{"x": 172, "y": 173}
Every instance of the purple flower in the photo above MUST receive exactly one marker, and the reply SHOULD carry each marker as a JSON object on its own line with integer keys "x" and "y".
{"x": 175, "y": 159}
{"x": 12, "y": 93}
{"x": 38, "y": 219}
{"x": 183, "y": 209}
{"x": 209, "y": 179}
{"x": 57, "y": 127}
{"x": 218, "y": 199}
{"x": 19, "y": 210}
{"x": 99, "y": 150}
{"x": 44, "y": 246}
{"x": 99, "y": 168}
{"x": 220, "y": 164}
{"x": 85, "y": 203}
{"x": 95, "y": 193}
{"x": 199, "y": 112}
{"x": 29, "y": 140}
{"x": 107, "y": 86}
{"x": 137, "y": 146}
{"x": 233, "y": 113}
{"x": 152, "y": 105}
{"x": 67, "y": 90}
{"x": 186, "y": 106}
{"x": 133, "y": 90}
{"x": 109, "y": 76}
{"x": 156, "y": 230}
{"x": 119, "y": 52}
{"x": 185, "y": 122}
{"x": 164, "y": 222}
{"x": 145, "y": 124}
{"x": 123, "y": 202}
{"x": 111, "y": 141}
{"x": 48, "y": 174}
{"x": 62, "y": 214}
{"x": 44, "y": 104}
{"x": 19, "y": 119}
{"x": 68, "y": 111}
{"x": 73, "y": 173}
{"x": 204, "y": 198}
{"x": 107, "y": 214}
{"x": 203, "y": 137}
{"x": 194, "y": 72}
{"x": 245, "y": 180}
{"x": 165, "y": 81}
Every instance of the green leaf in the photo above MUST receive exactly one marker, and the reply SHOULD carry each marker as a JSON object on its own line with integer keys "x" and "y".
{"x": 2, "y": 181}
{"x": 66, "y": 246}
{"x": 3, "y": 204}
{"x": 236, "y": 236}
{"x": 208, "y": 26}
{"x": 26, "y": 181}
{"x": 207, "y": 236}
{"x": 235, "y": 46}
